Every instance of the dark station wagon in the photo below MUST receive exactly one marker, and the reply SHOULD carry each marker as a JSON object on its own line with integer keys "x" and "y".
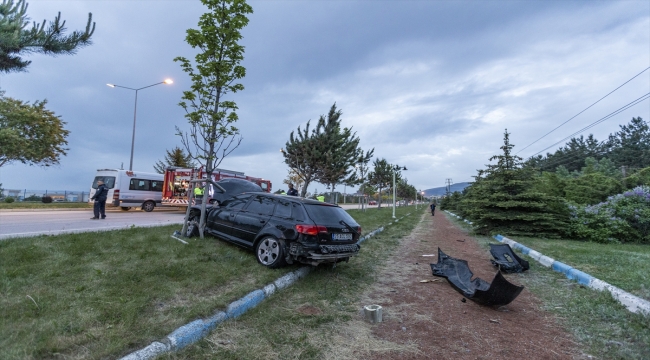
{"x": 282, "y": 229}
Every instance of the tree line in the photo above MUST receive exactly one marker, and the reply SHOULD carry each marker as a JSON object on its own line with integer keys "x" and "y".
{"x": 589, "y": 190}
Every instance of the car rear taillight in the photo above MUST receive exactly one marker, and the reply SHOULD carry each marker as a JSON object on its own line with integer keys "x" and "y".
{"x": 116, "y": 194}
{"x": 359, "y": 230}
{"x": 310, "y": 229}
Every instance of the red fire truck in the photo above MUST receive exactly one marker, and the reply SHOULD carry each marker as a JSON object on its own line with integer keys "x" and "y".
{"x": 177, "y": 183}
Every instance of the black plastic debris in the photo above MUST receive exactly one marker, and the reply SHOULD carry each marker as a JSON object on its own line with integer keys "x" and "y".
{"x": 457, "y": 272}
{"x": 507, "y": 260}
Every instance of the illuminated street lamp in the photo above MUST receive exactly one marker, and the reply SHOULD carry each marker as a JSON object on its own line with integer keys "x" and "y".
{"x": 135, "y": 110}
{"x": 395, "y": 169}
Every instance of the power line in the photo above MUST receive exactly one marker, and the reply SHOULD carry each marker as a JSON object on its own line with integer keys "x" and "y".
{"x": 644, "y": 70}
{"x": 616, "y": 112}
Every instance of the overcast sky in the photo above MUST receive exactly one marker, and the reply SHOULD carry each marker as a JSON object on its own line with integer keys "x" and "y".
{"x": 430, "y": 85}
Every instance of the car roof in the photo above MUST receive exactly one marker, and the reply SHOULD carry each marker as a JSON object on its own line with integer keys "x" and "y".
{"x": 293, "y": 198}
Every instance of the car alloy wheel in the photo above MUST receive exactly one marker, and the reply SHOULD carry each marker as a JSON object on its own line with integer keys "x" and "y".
{"x": 270, "y": 252}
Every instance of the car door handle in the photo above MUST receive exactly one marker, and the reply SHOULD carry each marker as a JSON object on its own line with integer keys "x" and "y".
{"x": 262, "y": 221}
{"x": 232, "y": 215}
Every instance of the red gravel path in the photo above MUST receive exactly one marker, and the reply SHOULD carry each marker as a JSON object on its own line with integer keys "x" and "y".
{"x": 434, "y": 323}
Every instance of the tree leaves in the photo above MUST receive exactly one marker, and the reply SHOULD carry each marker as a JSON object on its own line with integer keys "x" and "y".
{"x": 327, "y": 154}
{"x": 16, "y": 41}
{"x": 30, "y": 134}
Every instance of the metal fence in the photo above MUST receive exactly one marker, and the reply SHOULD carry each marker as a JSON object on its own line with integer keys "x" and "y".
{"x": 37, "y": 195}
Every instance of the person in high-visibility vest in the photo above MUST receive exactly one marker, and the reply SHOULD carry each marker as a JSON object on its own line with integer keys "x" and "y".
{"x": 198, "y": 194}
{"x": 320, "y": 198}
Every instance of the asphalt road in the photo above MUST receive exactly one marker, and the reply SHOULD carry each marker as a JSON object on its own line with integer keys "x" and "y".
{"x": 15, "y": 224}
{"x": 32, "y": 223}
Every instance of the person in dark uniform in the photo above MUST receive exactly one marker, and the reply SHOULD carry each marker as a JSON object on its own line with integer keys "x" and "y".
{"x": 99, "y": 207}
{"x": 433, "y": 208}
{"x": 292, "y": 191}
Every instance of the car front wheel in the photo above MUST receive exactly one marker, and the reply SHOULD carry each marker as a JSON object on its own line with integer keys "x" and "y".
{"x": 193, "y": 226}
{"x": 148, "y": 206}
{"x": 270, "y": 252}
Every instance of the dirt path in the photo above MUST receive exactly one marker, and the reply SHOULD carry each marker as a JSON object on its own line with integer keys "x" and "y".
{"x": 429, "y": 320}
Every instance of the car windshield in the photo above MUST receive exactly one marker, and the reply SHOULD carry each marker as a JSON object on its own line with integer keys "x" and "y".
{"x": 326, "y": 214}
{"x": 109, "y": 181}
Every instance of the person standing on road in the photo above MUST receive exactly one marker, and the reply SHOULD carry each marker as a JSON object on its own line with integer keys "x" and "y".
{"x": 433, "y": 208}
{"x": 99, "y": 207}
{"x": 292, "y": 191}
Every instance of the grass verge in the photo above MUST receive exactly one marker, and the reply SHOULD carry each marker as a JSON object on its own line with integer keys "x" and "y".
{"x": 99, "y": 295}
{"x": 303, "y": 321}
{"x": 605, "y": 328}
{"x": 40, "y": 205}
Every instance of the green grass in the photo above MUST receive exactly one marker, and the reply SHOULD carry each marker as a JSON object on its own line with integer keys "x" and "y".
{"x": 604, "y": 328}
{"x": 99, "y": 295}
{"x": 626, "y": 266}
{"x": 40, "y": 205}
{"x": 276, "y": 329}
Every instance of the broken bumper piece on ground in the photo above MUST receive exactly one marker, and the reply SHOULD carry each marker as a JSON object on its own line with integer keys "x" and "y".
{"x": 456, "y": 271}
{"x": 506, "y": 260}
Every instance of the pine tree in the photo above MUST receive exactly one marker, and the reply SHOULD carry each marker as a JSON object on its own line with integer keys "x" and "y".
{"x": 16, "y": 40}
{"x": 631, "y": 145}
{"x": 326, "y": 154}
{"x": 176, "y": 157}
{"x": 342, "y": 150}
{"x": 503, "y": 200}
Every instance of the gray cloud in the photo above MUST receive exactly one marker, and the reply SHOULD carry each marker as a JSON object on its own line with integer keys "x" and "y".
{"x": 431, "y": 85}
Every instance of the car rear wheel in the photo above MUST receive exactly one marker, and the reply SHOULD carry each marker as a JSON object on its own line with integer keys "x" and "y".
{"x": 148, "y": 206}
{"x": 193, "y": 226}
{"x": 270, "y": 252}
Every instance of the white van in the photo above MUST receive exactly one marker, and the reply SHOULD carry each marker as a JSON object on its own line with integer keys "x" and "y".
{"x": 128, "y": 189}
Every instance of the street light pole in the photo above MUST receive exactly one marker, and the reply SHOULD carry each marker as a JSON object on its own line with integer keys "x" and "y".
{"x": 135, "y": 112}
{"x": 395, "y": 169}
{"x": 394, "y": 193}
{"x": 416, "y": 199}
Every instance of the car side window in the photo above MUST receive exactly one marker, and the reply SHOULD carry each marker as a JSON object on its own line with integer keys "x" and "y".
{"x": 237, "y": 203}
{"x": 283, "y": 209}
{"x": 156, "y": 185}
{"x": 261, "y": 205}
{"x": 139, "y": 184}
{"x": 297, "y": 212}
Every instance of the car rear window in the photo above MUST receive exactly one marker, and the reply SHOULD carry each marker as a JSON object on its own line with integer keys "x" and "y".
{"x": 324, "y": 214}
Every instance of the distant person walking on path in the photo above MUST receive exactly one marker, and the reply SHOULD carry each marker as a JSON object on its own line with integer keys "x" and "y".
{"x": 292, "y": 191}
{"x": 433, "y": 208}
{"x": 99, "y": 207}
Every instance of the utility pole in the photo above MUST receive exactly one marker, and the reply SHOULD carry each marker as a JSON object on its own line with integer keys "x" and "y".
{"x": 449, "y": 181}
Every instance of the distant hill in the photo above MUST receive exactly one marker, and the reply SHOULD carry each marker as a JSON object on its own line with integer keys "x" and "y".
{"x": 443, "y": 189}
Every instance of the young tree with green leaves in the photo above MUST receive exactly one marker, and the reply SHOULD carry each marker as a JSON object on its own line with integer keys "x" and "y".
{"x": 16, "y": 40}
{"x": 382, "y": 175}
{"x": 214, "y": 74}
{"x": 30, "y": 134}
{"x": 176, "y": 157}
{"x": 503, "y": 200}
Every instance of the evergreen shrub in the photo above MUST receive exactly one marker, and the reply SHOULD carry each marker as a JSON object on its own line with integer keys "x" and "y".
{"x": 622, "y": 218}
